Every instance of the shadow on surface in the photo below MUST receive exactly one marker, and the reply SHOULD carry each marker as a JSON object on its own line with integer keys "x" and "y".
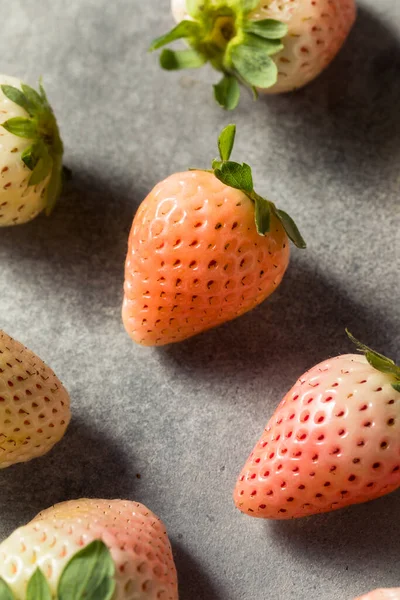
{"x": 353, "y": 534}
{"x": 193, "y": 582}
{"x": 352, "y": 108}
{"x": 91, "y": 221}
{"x": 84, "y": 464}
{"x": 300, "y": 325}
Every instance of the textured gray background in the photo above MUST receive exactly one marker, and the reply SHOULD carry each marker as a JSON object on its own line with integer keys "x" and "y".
{"x": 186, "y": 417}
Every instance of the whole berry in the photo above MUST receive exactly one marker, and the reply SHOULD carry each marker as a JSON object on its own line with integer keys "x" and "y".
{"x": 204, "y": 248}
{"x": 334, "y": 440}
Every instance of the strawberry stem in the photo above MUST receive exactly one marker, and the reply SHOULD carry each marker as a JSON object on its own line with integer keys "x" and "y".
{"x": 222, "y": 33}
{"x": 378, "y": 361}
{"x": 240, "y": 177}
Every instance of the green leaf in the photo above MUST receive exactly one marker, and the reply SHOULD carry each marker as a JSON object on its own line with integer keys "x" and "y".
{"x": 183, "y": 59}
{"x": 226, "y": 141}
{"x": 363, "y": 348}
{"x": 216, "y": 164}
{"x": 22, "y": 127}
{"x": 38, "y": 587}
{"x": 262, "y": 214}
{"x": 239, "y": 176}
{"x": 193, "y": 7}
{"x": 384, "y": 365}
{"x": 33, "y": 97}
{"x": 184, "y": 29}
{"x": 378, "y": 361}
{"x": 42, "y": 169}
{"x": 54, "y": 187}
{"x": 270, "y": 47}
{"x": 57, "y": 145}
{"x": 43, "y": 93}
{"x": 267, "y": 28}
{"x": 16, "y": 96}
{"x": 396, "y": 386}
{"x": 254, "y": 65}
{"x": 5, "y": 591}
{"x": 227, "y": 92}
{"x": 248, "y": 5}
{"x": 89, "y": 575}
{"x": 236, "y": 176}
{"x": 30, "y": 156}
{"x": 291, "y": 228}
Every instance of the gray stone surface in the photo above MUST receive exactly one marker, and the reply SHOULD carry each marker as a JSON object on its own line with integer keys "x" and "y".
{"x": 186, "y": 417}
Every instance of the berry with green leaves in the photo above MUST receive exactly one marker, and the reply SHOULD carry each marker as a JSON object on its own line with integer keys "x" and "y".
{"x": 31, "y": 153}
{"x": 204, "y": 248}
{"x": 34, "y": 405}
{"x": 333, "y": 441}
{"x": 92, "y": 550}
{"x": 90, "y": 573}
{"x": 272, "y": 46}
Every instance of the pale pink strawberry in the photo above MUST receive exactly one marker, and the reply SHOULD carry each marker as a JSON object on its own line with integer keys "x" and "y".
{"x": 136, "y": 538}
{"x": 195, "y": 259}
{"x": 312, "y": 34}
{"x": 199, "y": 254}
{"x": 34, "y": 405}
{"x": 333, "y": 441}
{"x": 382, "y": 594}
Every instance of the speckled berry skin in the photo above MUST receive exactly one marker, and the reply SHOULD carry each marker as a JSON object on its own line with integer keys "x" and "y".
{"x": 19, "y": 202}
{"x": 382, "y": 594}
{"x": 195, "y": 259}
{"x": 317, "y": 30}
{"x": 34, "y": 405}
{"x": 333, "y": 441}
{"x": 136, "y": 538}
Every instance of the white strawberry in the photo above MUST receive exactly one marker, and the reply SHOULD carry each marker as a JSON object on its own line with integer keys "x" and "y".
{"x": 34, "y": 405}
{"x": 31, "y": 153}
{"x": 274, "y": 45}
{"x": 138, "y": 565}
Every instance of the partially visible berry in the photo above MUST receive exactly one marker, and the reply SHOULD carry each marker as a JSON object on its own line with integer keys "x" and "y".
{"x": 382, "y": 594}
{"x": 276, "y": 46}
{"x": 34, "y": 405}
{"x": 31, "y": 153}
{"x": 142, "y": 565}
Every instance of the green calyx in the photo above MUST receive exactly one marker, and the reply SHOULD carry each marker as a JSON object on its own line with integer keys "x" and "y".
{"x": 239, "y": 176}
{"x": 44, "y": 156}
{"x": 89, "y": 575}
{"x": 379, "y": 361}
{"x": 221, "y": 32}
